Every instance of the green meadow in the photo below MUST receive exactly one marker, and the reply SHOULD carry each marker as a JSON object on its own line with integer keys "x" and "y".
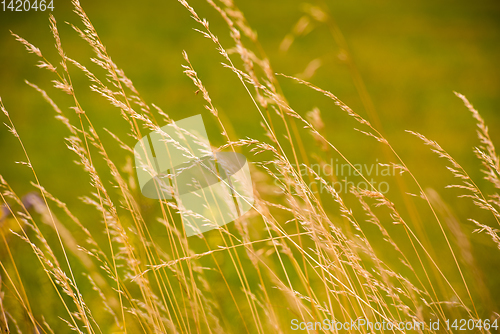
{"x": 369, "y": 128}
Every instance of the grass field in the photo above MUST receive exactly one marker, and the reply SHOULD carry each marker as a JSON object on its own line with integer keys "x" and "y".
{"x": 376, "y": 182}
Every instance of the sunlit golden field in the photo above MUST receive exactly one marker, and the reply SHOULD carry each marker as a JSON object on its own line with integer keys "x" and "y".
{"x": 369, "y": 129}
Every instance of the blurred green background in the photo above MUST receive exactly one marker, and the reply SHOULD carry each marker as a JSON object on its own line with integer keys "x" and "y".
{"x": 410, "y": 56}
